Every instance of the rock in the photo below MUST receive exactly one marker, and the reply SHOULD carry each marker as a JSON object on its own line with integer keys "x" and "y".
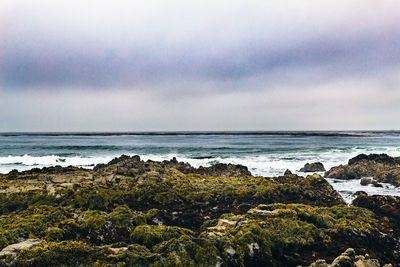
{"x": 357, "y": 193}
{"x": 227, "y": 170}
{"x": 349, "y": 259}
{"x": 15, "y": 248}
{"x": 317, "y": 189}
{"x": 388, "y": 206}
{"x": 380, "y": 167}
{"x": 313, "y": 167}
{"x": 376, "y": 184}
{"x": 378, "y": 158}
{"x": 366, "y": 181}
{"x": 287, "y": 172}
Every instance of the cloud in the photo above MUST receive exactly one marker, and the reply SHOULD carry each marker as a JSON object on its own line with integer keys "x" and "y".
{"x": 199, "y": 65}
{"x": 101, "y": 44}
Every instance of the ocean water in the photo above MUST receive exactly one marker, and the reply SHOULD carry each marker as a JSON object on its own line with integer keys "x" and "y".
{"x": 266, "y": 154}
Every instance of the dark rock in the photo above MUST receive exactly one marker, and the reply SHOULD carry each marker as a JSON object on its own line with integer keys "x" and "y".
{"x": 287, "y": 172}
{"x": 380, "y": 167}
{"x": 388, "y": 206}
{"x": 376, "y": 184}
{"x": 357, "y": 193}
{"x": 378, "y": 158}
{"x": 366, "y": 181}
{"x": 313, "y": 167}
{"x": 221, "y": 169}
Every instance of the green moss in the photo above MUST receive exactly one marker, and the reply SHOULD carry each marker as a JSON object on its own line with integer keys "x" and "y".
{"x": 66, "y": 253}
{"x": 54, "y": 234}
{"x": 121, "y": 216}
{"x": 150, "y": 235}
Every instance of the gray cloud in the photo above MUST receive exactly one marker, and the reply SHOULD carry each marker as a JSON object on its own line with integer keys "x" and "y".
{"x": 71, "y": 50}
{"x": 207, "y": 65}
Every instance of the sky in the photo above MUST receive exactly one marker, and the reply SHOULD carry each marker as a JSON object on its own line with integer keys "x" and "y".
{"x": 219, "y": 65}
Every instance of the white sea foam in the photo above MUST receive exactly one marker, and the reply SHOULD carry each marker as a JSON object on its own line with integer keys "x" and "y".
{"x": 27, "y": 162}
{"x": 347, "y": 187}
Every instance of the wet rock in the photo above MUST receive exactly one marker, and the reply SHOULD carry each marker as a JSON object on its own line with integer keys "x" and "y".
{"x": 357, "y": 193}
{"x": 380, "y": 167}
{"x": 366, "y": 181}
{"x": 221, "y": 169}
{"x": 15, "y": 248}
{"x": 376, "y": 184}
{"x": 378, "y": 158}
{"x": 313, "y": 167}
{"x": 388, "y": 206}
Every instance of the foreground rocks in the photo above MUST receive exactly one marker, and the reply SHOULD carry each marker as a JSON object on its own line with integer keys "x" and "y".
{"x": 145, "y": 213}
{"x": 381, "y": 167}
{"x": 349, "y": 258}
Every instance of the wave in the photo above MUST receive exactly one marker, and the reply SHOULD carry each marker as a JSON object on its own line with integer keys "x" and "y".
{"x": 27, "y": 162}
{"x": 259, "y": 161}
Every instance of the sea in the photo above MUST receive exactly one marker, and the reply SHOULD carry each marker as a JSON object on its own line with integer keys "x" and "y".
{"x": 266, "y": 154}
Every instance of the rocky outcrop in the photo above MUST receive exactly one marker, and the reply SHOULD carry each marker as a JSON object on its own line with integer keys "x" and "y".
{"x": 315, "y": 189}
{"x": 386, "y": 206}
{"x": 313, "y": 167}
{"x": 221, "y": 169}
{"x": 378, "y": 158}
{"x": 381, "y": 167}
{"x": 119, "y": 170}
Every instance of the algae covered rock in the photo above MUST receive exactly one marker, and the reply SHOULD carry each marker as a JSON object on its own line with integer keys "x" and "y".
{"x": 350, "y": 259}
{"x": 380, "y": 167}
{"x": 131, "y": 212}
{"x": 388, "y": 206}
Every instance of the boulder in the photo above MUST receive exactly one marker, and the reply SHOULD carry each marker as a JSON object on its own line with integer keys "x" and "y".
{"x": 15, "y": 248}
{"x": 366, "y": 181}
{"x": 313, "y": 167}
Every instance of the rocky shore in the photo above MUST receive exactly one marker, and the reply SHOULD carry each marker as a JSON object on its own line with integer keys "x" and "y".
{"x": 131, "y": 212}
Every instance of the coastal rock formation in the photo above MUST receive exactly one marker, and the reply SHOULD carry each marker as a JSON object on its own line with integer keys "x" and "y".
{"x": 381, "y": 167}
{"x": 313, "y": 167}
{"x": 387, "y": 206}
{"x": 221, "y": 169}
{"x": 146, "y": 213}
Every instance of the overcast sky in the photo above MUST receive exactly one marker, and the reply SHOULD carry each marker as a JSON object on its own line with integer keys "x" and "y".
{"x": 199, "y": 65}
